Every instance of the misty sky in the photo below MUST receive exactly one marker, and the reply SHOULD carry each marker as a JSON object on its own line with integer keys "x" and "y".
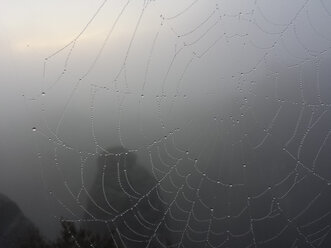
{"x": 199, "y": 77}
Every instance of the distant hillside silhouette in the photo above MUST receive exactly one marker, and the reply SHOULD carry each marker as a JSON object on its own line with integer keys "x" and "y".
{"x": 14, "y": 226}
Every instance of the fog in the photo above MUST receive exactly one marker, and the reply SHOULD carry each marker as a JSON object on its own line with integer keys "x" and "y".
{"x": 225, "y": 105}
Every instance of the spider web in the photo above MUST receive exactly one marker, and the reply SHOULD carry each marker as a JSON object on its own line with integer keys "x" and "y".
{"x": 226, "y": 105}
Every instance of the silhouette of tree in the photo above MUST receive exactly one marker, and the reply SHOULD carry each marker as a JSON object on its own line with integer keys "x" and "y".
{"x": 69, "y": 237}
{"x": 119, "y": 184}
{"x": 34, "y": 240}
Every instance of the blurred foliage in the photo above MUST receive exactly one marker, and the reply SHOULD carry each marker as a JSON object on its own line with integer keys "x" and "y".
{"x": 70, "y": 237}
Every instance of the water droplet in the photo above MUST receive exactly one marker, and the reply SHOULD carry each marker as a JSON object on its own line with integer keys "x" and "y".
{"x": 34, "y": 129}
{"x": 43, "y": 93}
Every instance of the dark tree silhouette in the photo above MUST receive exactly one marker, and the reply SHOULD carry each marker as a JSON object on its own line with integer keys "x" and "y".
{"x": 123, "y": 186}
{"x": 70, "y": 237}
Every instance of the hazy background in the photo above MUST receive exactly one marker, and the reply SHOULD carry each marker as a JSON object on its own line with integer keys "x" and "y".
{"x": 199, "y": 77}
